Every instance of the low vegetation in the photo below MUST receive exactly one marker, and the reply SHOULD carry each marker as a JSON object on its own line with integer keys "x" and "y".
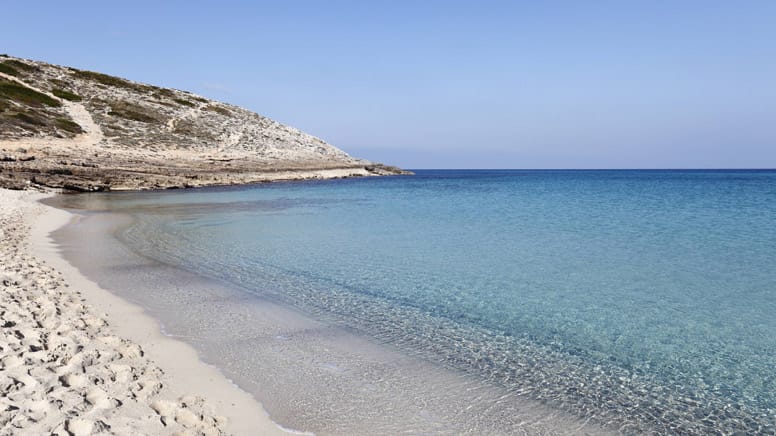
{"x": 12, "y": 67}
{"x": 132, "y": 112}
{"x": 68, "y": 125}
{"x": 21, "y": 94}
{"x": 19, "y": 65}
{"x": 59, "y": 83}
{"x": 67, "y": 95}
{"x": 218, "y": 109}
{"x": 8, "y": 69}
{"x": 191, "y": 128}
{"x": 107, "y": 80}
{"x": 184, "y": 102}
{"x": 162, "y": 93}
{"x": 30, "y": 118}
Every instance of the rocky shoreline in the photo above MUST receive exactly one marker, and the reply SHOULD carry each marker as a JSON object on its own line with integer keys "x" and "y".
{"x": 23, "y": 170}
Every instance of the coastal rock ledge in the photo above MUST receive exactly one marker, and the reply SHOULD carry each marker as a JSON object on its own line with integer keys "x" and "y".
{"x": 79, "y": 130}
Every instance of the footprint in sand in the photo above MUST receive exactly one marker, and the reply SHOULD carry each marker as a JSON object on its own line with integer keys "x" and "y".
{"x": 99, "y": 399}
{"x": 79, "y": 427}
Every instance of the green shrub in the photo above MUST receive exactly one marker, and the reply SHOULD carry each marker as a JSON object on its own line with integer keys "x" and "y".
{"x": 107, "y": 80}
{"x": 22, "y": 94}
{"x": 132, "y": 112}
{"x": 67, "y": 95}
{"x": 162, "y": 93}
{"x": 218, "y": 109}
{"x": 184, "y": 102}
{"x": 68, "y": 125}
{"x": 30, "y": 119}
{"x": 7, "y": 69}
{"x": 166, "y": 103}
{"x": 19, "y": 65}
{"x": 134, "y": 116}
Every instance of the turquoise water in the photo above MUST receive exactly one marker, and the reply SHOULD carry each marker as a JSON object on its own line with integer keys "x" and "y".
{"x": 643, "y": 300}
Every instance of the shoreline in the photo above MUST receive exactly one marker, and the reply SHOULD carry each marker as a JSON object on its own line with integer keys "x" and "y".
{"x": 286, "y": 357}
{"x": 217, "y": 406}
{"x": 231, "y": 333}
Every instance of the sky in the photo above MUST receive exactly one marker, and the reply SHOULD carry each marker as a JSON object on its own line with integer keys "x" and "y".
{"x": 449, "y": 84}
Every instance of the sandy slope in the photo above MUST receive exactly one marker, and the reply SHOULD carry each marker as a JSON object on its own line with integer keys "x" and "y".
{"x": 92, "y": 133}
{"x": 65, "y": 370}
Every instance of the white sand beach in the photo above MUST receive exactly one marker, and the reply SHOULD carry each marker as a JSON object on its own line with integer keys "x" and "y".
{"x": 75, "y": 359}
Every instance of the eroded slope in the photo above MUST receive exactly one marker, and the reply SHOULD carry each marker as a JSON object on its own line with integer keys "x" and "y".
{"x": 81, "y": 130}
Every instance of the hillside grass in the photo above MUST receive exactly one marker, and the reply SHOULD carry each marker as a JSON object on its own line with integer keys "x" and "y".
{"x": 132, "y": 112}
{"x": 67, "y": 95}
{"x": 21, "y": 94}
{"x": 30, "y": 118}
{"x": 218, "y": 109}
{"x": 68, "y": 125}
{"x": 19, "y": 65}
{"x": 163, "y": 93}
{"x": 184, "y": 102}
{"x": 12, "y": 67}
{"x": 107, "y": 80}
{"x": 8, "y": 69}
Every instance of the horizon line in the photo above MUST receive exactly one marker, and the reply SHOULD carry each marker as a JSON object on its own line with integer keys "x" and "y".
{"x": 596, "y": 169}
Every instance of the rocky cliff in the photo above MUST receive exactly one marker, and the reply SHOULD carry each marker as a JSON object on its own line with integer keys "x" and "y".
{"x": 66, "y": 128}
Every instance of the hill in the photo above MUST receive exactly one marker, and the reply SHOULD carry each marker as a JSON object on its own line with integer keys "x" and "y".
{"x": 62, "y": 127}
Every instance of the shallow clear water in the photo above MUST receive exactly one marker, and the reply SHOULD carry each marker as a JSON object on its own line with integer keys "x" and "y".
{"x": 644, "y": 300}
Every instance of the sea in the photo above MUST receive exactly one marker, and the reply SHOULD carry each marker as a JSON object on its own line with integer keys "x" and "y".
{"x": 464, "y": 301}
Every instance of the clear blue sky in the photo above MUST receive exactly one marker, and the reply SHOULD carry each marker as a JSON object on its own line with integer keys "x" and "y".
{"x": 583, "y": 84}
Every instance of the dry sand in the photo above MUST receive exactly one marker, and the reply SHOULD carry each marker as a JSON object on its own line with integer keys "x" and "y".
{"x": 75, "y": 359}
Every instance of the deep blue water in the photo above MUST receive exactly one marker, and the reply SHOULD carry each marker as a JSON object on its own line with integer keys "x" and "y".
{"x": 638, "y": 297}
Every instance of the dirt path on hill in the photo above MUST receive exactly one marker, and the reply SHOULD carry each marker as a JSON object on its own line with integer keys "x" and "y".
{"x": 92, "y": 132}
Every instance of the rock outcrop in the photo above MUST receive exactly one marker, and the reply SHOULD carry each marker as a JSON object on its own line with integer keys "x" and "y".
{"x": 61, "y": 127}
